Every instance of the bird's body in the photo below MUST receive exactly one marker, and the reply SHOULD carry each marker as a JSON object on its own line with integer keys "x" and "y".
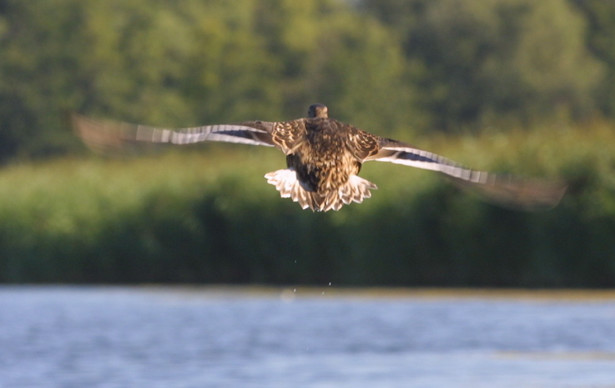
{"x": 324, "y": 157}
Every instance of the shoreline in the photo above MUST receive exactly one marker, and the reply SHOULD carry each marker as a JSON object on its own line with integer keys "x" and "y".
{"x": 291, "y": 291}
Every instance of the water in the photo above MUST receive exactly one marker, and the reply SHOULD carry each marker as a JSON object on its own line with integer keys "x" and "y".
{"x": 141, "y": 337}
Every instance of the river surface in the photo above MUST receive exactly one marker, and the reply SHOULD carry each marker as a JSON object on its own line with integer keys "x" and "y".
{"x": 227, "y": 337}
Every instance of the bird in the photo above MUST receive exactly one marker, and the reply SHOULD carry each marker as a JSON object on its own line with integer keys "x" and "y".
{"x": 324, "y": 158}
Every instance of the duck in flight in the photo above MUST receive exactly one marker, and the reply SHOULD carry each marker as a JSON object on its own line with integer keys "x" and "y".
{"x": 324, "y": 157}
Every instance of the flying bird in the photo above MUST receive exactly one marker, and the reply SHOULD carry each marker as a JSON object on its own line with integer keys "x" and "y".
{"x": 324, "y": 158}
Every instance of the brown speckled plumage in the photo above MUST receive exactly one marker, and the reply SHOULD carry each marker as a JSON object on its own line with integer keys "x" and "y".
{"x": 324, "y": 154}
{"x": 324, "y": 157}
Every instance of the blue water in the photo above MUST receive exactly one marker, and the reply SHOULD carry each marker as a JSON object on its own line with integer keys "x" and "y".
{"x": 165, "y": 337}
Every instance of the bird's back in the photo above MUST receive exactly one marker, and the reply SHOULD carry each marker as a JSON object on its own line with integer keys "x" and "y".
{"x": 326, "y": 164}
{"x": 323, "y": 161}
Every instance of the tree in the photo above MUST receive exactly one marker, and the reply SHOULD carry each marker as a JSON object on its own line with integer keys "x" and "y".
{"x": 338, "y": 57}
{"x": 601, "y": 20}
{"x": 36, "y": 68}
{"x": 190, "y": 62}
{"x": 485, "y": 61}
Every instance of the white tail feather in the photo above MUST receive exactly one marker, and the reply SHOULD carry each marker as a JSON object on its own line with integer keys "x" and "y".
{"x": 354, "y": 190}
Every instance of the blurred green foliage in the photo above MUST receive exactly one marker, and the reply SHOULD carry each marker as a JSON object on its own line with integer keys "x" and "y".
{"x": 189, "y": 62}
{"x": 493, "y": 62}
{"x": 415, "y": 69}
{"x": 209, "y": 216}
{"x": 389, "y": 65}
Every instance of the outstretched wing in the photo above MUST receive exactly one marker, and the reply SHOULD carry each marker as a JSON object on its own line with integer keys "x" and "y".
{"x": 104, "y": 135}
{"x": 397, "y": 152}
{"x": 507, "y": 190}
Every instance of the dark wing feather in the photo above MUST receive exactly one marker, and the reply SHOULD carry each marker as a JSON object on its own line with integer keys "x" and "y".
{"x": 104, "y": 135}
{"x": 397, "y": 152}
{"x": 528, "y": 194}
{"x": 288, "y": 135}
{"x": 363, "y": 145}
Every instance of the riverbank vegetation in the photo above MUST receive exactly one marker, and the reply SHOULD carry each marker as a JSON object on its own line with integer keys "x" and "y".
{"x": 207, "y": 215}
{"x": 517, "y": 86}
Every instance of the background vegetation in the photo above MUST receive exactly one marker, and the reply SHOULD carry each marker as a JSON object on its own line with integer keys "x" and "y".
{"x": 510, "y": 85}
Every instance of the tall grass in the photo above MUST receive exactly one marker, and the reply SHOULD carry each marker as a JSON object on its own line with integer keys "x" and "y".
{"x": 206, "y": 214}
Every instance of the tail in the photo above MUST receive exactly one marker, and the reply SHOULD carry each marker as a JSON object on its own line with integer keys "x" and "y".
{"x": 354, "y": 190}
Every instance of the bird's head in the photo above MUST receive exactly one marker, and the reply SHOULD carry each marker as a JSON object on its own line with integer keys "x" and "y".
{"x": 318, "y": 110}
